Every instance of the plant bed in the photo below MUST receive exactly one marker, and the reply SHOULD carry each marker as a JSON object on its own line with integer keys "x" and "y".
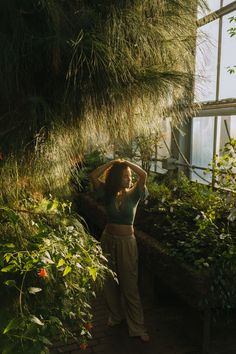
{"x": 190, "y": 285}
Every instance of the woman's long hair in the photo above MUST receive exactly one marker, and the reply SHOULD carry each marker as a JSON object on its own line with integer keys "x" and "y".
{"x": 113, "y": 180}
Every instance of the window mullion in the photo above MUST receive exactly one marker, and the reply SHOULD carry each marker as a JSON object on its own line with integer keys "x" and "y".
{"x": 217, "y": 93}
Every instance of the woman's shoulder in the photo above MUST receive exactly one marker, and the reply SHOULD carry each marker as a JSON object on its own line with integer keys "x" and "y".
{"x": 138, "y": 191}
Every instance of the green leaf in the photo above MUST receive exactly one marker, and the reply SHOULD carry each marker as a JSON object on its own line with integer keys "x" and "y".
{"x": 45, "y": 340}
{"x": 60, "y": 263}
{"x": 49, "y": 205}
{"x": 7, "y": 257}
{"x": 53, "y": 205}
{"x": 8, "y": 268}
{"x": 36, "y": 320}
{"x": 56, "y": 320}
{"x": 12, "y": 216}
{"x": 33, "y": 290}
{"x": 12, "y": 324}
{"x": 10, "y": 282}
{"x": 93, "y": 272}
{"x": 9, "y": 245}
{"x": 66, "y": 270}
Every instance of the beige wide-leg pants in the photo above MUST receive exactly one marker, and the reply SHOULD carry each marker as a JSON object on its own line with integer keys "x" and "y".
{"x": 122, "y": 255}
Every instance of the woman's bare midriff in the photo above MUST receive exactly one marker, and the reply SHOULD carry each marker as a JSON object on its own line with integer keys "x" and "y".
{"x": 119, "y": 229}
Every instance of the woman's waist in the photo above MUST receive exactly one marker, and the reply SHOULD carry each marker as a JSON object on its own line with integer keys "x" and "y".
{"x": 119, "y": 229}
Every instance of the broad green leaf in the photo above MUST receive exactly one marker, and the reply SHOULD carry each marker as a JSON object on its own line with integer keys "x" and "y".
{"x": 93, "y": 272}
{"x": 36, "y": 320}
{"x": 66, "y": 270}
{"x": 8, "y": 268}
{"x": 7, "y": 257}
{"x": 53, "y": 205}
{"x": 49, "y": 205}
{"x": 33, "y": 290}
{"x": 9, "y": 245}
{"x": 60, "y": 262}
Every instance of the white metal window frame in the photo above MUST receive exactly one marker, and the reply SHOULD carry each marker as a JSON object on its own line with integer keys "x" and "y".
{"x": 226, "y": 107}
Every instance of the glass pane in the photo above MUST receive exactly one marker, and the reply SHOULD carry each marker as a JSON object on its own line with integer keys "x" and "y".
{"x": 161, "y": 149}
{"x": 226, "y": 128}
{"x": 228, "y": 58}
{"x": 206, "y": 62}
{"x": 202, "y": 146}
{"x": 201, "y": 177}
{"x": 164, "y": 142}
{"x": 213, "y": 6}
{"x": 233, "y": 127}
{"x": 226, "y": 2}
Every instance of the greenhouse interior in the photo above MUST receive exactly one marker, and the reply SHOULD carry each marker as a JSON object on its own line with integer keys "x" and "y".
{"x": 118, "y": 176}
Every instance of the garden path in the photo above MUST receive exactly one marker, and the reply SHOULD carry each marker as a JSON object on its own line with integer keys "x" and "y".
{"x": 171, "y": 326}
{"x": 116, "y": 340}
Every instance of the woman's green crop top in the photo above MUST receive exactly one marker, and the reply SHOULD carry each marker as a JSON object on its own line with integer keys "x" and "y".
{"x": 126, "y": 214}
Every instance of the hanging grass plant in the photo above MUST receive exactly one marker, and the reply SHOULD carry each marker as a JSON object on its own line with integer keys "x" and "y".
{"x": 142, "y": 61}
{"x": 99, "y": 65}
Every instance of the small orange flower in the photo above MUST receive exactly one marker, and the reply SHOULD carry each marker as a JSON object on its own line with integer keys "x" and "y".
{"x": 88, "y": 326}
{"x": 42, "y": 273}
{"x": 83, "y": 345}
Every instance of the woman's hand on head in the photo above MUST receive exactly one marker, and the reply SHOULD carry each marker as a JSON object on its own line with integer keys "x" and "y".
{"x": 118, "y": 160}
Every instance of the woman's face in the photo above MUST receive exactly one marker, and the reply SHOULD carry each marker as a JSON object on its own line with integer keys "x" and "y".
{"x": 126, "y": 178}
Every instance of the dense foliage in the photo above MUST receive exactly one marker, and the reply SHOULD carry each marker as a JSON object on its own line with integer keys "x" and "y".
{"x": 224, "y": 166}
{"x": 49, "y": 266}
{"x": 189, "y": 218}
{"x": 196, "y": 226}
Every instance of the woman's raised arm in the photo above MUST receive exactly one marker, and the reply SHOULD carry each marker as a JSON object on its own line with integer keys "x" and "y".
{"x": 139, "y": 171}
{"x": 95, "y": 174}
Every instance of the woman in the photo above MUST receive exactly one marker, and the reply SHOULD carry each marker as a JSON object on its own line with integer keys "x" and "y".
{"x": 119, "y": 243}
